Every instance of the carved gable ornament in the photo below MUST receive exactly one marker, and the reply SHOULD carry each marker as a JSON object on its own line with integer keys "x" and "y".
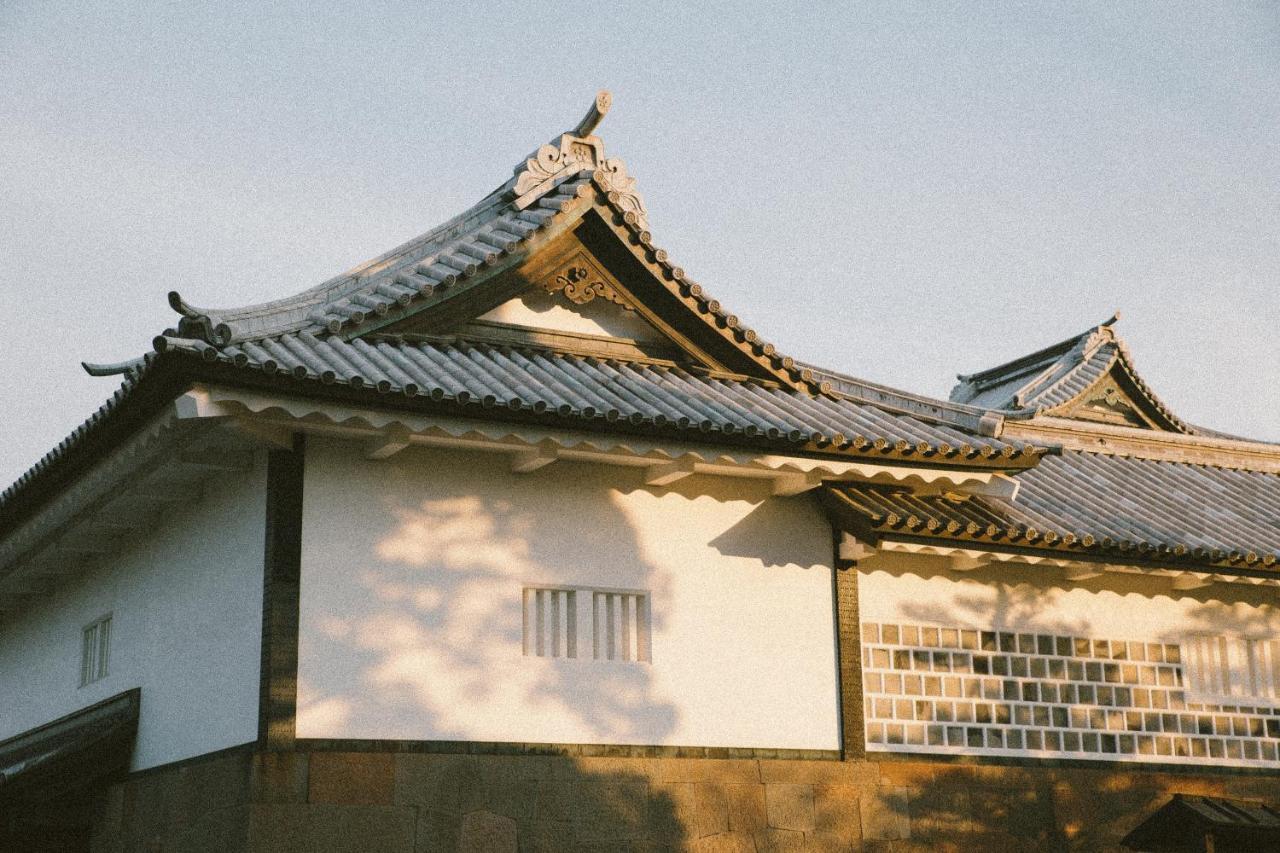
{"x": 1108, "y": 404}
{"x": 572, "y": 153}
{"x": 580, "y": 281}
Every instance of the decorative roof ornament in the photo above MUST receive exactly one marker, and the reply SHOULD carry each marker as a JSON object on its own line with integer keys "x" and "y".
{"x": 574, "y": 152}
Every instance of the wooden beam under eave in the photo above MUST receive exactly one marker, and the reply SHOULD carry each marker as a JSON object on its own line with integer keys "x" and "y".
{"x": 790, "y": 484}
{"x": 1082, "y": 573}
{"x": 239, "y": 462}
{"x": 273, "y": 435}
{"x": 1188, "y": 581}
{"x": 669, "y": 472}
{"x": 540, "y": 455}
{"x": 388, "y": 443}
{"x": 966, "y": 562}
{"x": 853, "y": 549}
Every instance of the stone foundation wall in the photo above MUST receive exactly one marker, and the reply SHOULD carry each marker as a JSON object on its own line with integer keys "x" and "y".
{"x": 401, "y": 801}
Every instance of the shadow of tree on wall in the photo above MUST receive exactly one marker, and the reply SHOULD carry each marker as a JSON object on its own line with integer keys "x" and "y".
{"x": 989, "y": 807}
{"x": 501, "y": 804}
{"x": 422, "y": 638}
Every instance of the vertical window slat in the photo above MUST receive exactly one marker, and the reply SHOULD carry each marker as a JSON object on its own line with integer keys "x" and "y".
{"x": 620, "y": 623}
{"x": 95, "y": 650}
{"x": 541, "y": 627}
{"x": 611, "y": 628}
{"x": 529, "y": 621}
{"x": 627, "y": 611}
{"x": 571, "y": 625}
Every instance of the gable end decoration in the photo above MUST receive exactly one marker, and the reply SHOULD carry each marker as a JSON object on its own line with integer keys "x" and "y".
{"x": 580, "y": 281}
{"x": 575, "y": 152}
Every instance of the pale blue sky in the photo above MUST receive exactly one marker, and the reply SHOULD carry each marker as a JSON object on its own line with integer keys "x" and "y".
{"x": 896, "y": 191}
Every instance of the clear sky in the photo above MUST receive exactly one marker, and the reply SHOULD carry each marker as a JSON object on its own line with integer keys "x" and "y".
{"x": 900, "y": 192}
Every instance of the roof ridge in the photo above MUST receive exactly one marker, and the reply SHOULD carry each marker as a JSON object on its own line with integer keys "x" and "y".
{"x": 1060, "y": 348}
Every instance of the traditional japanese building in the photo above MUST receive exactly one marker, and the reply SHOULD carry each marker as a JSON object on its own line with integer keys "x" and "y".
{"x": 515, "y": 538}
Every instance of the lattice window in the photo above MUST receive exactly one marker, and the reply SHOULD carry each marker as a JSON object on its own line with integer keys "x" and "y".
{"x": 95, "y": 650}
{"x": 1219, "y": 667}
{"x": 551, "y": 622}
{"x": 620, "y": 625}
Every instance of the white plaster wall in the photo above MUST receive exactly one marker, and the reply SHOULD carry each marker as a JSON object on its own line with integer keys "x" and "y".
{"x": 186, "y": 606}
{"x": 411, "y": 614}
{"x": 913, "y": 589}
{"x": 541, "y": 310}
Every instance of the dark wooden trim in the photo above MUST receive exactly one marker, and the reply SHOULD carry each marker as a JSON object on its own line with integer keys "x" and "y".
{"x": 578, "y": 750}
{"x": 282, "y": 569}
{"x": 247, "y": 748}
{"x": 853, "y": 735}
{"x": 1071, "y": 763}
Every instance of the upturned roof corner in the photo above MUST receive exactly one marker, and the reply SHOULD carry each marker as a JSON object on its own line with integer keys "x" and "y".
{"x": 1089, "y": 376}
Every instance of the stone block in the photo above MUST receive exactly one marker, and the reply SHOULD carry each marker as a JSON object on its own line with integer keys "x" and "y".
{"x": 647, "y": 769}
{"x": 108, "y": 822}
{"x": 779, "y": 841}
{"x": 825, "y": 842}
{"x": 361, "y": 829}
{"x": 523, "y": 766}
{"x": 278, "y": 777}
{"x": 351, "y": 778}
{"x": 712, "y": 809}
{"x": 819, "y": 771}
{"x": 148, "y": 809}
{"x": 442, "y": 783}
{"x": 727, "y": 842}
{"x": 884, "y": 814}
{"x": 722, "y": 770}
{"x": 486, "y": 832}
{"x": 836, "y": 811}
{"x": 556, "y": 800}
{"x": 437, "y": 832}
{"x": 213, "y": 831}
{"x": 279, "y": 828}
{"x": 514, "y": 798}
{"x": 789, "y": 806}
{"x": 672, "y": 812}
{"x": 209, "y": 784}
{"x": 942, "y": 814}
{"x": 545, "y": 836}
{"x": 607, "y": 810}
{"x": 746, "y": 807}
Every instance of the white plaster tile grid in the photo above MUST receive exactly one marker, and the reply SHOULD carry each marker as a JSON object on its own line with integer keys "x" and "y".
{"x": 954, "y": 690}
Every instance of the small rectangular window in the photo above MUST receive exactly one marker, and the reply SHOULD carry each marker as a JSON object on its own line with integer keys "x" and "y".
{"x": 620, "y": 625}
{"x": 95, "y": 650}
{"x": 1219, "y": 667}
{"x": 550, "y": 622}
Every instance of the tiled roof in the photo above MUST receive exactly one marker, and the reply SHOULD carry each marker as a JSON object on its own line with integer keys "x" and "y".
{"x": 328, "y": 335}
{"x": 1056, "y": 376}
{"x": 1081, "y": 502}
{"x": 1184, "y": 822}
{"x": 416, "y": 272}
{"x": 642, "y": 394}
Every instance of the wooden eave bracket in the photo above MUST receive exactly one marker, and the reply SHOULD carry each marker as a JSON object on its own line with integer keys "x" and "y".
{"x": 539, "y": 456}
{"x": 853, "y": 549}
{"x": 387, "y": 443}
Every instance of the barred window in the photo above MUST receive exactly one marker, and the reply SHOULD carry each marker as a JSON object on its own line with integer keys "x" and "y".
{"x": 551, "y": 622}
{"x": 620, "y": 625}
{"x": 1219, "y": 667}
{"x": 95, "y": 650}
{"x": 617, "y": 620}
